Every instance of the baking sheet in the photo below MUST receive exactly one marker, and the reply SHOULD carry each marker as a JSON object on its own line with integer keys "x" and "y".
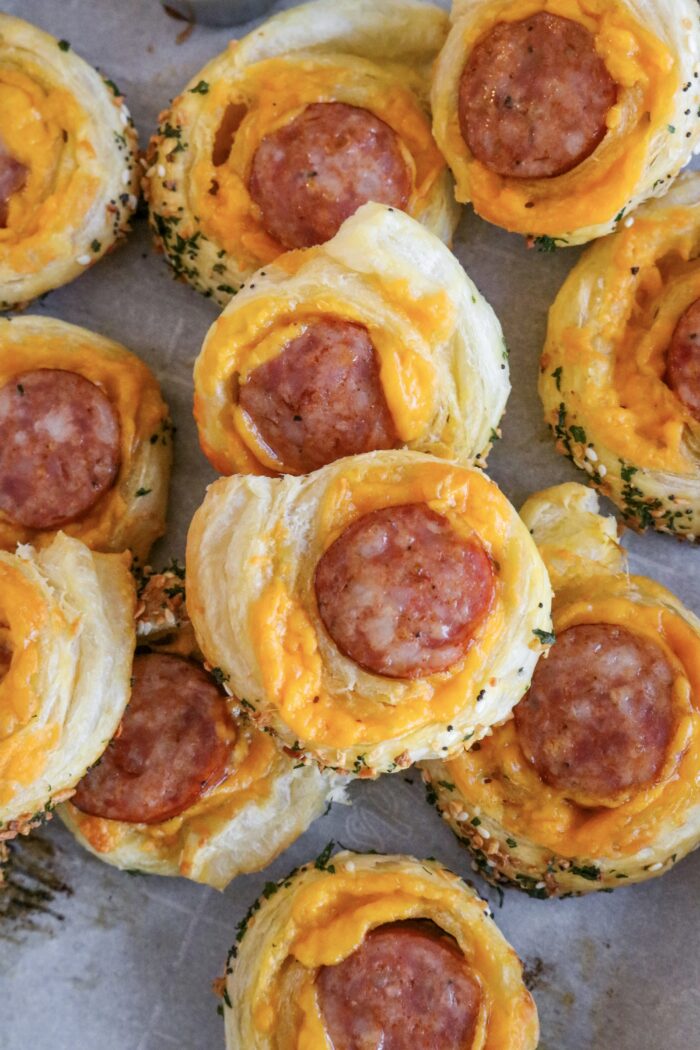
{"x": 91, "y": 957}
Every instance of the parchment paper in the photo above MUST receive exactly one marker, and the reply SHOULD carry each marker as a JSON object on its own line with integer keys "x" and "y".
{"x": 94, "y": 959}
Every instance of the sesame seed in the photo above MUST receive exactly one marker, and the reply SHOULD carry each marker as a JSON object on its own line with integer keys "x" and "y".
{"x": 84, "y": 260}
{"x": 591, "y": 453}
{"x": 350, "y": 866}
{"x": 484, "y": 833}
{"x": 629, "y": 221}
{"x": 133, "y": 200}
{"x": 539, "y": 886}
{"x": 160, "y": 171}
{"x": 124, "y": 116}
{"x": 602, "y": 470}
{"x": 126, "y": 176}
{"x": 656, "y": 867}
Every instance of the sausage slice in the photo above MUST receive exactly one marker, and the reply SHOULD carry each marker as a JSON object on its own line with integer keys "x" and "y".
{"x": 59, "y": 447}
{"x": 534, "y": 96}
{"x": 683, "y": 360}
{"x": 598, "y": 718}
{"x": 172, "y": 747}
{"x": 401, "y": 594}
{"x": 313, "y": 173}
{"x": 321, "y": 398}
{"x": 407, "y": 986}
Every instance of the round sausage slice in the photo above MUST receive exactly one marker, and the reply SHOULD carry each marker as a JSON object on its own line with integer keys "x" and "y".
{"x": 683, "y": 360}
{"x": 598, "y": 718}
{"x": 13, "y": 176}
{"x": 401, "y": 594}
{"x": 534, "y": 97}
{"x": 174, "y": 745}
{"x": 311, "y": 174}
{"x": 407, "y": 986}
{"x": 59, "y": 447}
{"x": 321, "y": 398}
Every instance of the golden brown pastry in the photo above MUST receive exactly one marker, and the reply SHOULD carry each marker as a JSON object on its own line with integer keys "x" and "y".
{"x": 595, "y": 781}
{"x": 559, "y": 117}
{"x": 384, "y": 609}
{"x": 284, "y": 135}
{"x": 188, "y": 786}
{"x": 68, "y": 169}
{"x": 373, "y": 340}
{"x": 85, "y": 439}
{"x": 620, "y": 370}
{"x": 66, "y": 635}
{"x": 406, "y": 938}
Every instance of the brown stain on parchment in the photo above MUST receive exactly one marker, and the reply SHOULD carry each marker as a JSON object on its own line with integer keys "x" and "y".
{"x": 31, "y": 886}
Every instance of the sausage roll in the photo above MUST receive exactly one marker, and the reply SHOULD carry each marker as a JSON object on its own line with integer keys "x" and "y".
{"x": 66, "y": 635}
{"x": 558, "y": 117}
{"x": 283, "y": 136}
{"x": 387, "y": 608}
{"x": 85, "y": 439}
{"x": 620, "y": 372}
{"x": 188, "y": 786}
{"x": 375, "y": 339}
{"x": 68, "y": 168}
{"x": 405, "y": 938}
{"x": 595, "y": 782}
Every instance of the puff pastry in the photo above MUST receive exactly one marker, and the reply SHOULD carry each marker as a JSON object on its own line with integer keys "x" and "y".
{"x": 257, "y": 801}
{"x": 68, "y": 168}
{"x": 620, "y": 374}
{"x": 315, "y": 942}
{"x": 285, "y": 134}
{"x": 374, "y": 339}
{"x": 85, "y": 439}
{"x": 381, "y": 610}
{"x": 66, "y": 634}
{"x": 559, "y": 117}
{"x": 573, "y": 797}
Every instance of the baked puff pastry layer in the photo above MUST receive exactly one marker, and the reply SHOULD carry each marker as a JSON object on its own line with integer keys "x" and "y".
{"x": 384, "y": 291}
{"x": 594, "y": 783}
{"x": 218, "y": 816}
{"x": 414, "y": 634}
{"x": 86, "y": 439}
{"x": 620, "y": 370}
{"x": 559, "y": 117}
{"x": 318, "y": 942}
{"x": 66, "y": 638}
{"x": 68, "y": 168}
{"x": 284, "y": 135}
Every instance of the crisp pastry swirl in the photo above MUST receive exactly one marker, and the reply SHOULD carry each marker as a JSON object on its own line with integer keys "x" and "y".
{"x": 405, "y": 937}
{"x": 86, "y": 439}
{"x": 620, "y": 370}
{"x": 559, "y": 117}
{"x": 277, "y": 140}
{"x": 233, "y": 798}
{"x": 66, "y": 636}
{"x": 68, "y": 169}
{"x": 383, "y": 609}
{"x": 373, "y": 339}
{"x": 594, "y": 782}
